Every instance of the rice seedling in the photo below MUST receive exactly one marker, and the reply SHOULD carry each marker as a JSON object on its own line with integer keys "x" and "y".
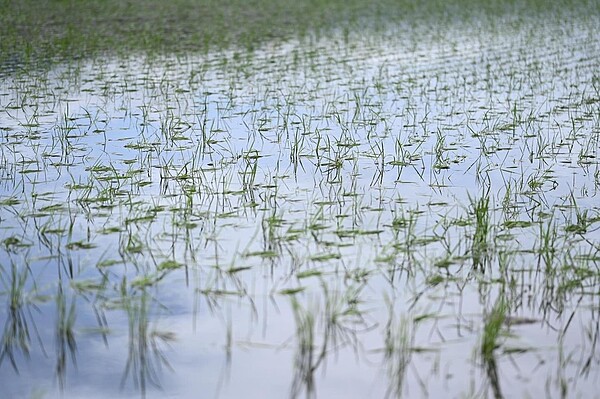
{"x": 482, "y": 235}
{"x": 491, "y": 333}
{"x": 492, "y": 329}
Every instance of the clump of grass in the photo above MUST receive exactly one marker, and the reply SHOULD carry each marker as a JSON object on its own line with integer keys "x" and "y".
{"x": 481, "y": 237}
{"x": 491, "y": 334}
{"x": 492, "y": 329}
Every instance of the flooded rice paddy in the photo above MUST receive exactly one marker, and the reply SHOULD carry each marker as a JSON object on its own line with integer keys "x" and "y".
{"x": 409, "y": 214}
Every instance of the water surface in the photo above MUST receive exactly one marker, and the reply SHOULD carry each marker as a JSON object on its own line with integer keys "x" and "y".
{"x": 330, "y": 217}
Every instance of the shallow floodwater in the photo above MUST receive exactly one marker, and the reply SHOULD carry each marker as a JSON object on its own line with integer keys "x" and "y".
{"x": 366, "y": 216}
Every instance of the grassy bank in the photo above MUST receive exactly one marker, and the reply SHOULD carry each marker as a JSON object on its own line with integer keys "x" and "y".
{"x": 59, "y": 29}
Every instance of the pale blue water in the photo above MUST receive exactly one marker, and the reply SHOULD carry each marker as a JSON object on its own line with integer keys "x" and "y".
{"x": 292, "y": 168}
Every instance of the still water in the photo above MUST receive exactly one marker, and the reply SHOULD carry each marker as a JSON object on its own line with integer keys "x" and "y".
{"x": 363, "y": 216}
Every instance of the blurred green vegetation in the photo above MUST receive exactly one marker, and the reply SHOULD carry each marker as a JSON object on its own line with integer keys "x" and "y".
{"x": 59, "y": 29}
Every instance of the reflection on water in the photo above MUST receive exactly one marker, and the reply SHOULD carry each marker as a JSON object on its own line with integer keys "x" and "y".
{"x": 376, "y": 216}
{"x": 65, "y": 341}
{"x": 145, "y": 356}
{"x": 340, "y": 322}
{"x": 16, "y": 337}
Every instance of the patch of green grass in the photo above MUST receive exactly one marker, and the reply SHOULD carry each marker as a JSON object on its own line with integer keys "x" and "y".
{"x": 481, "y": 239}
{"x": 35, "y": 31}
{"x": 492, "y": 329}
